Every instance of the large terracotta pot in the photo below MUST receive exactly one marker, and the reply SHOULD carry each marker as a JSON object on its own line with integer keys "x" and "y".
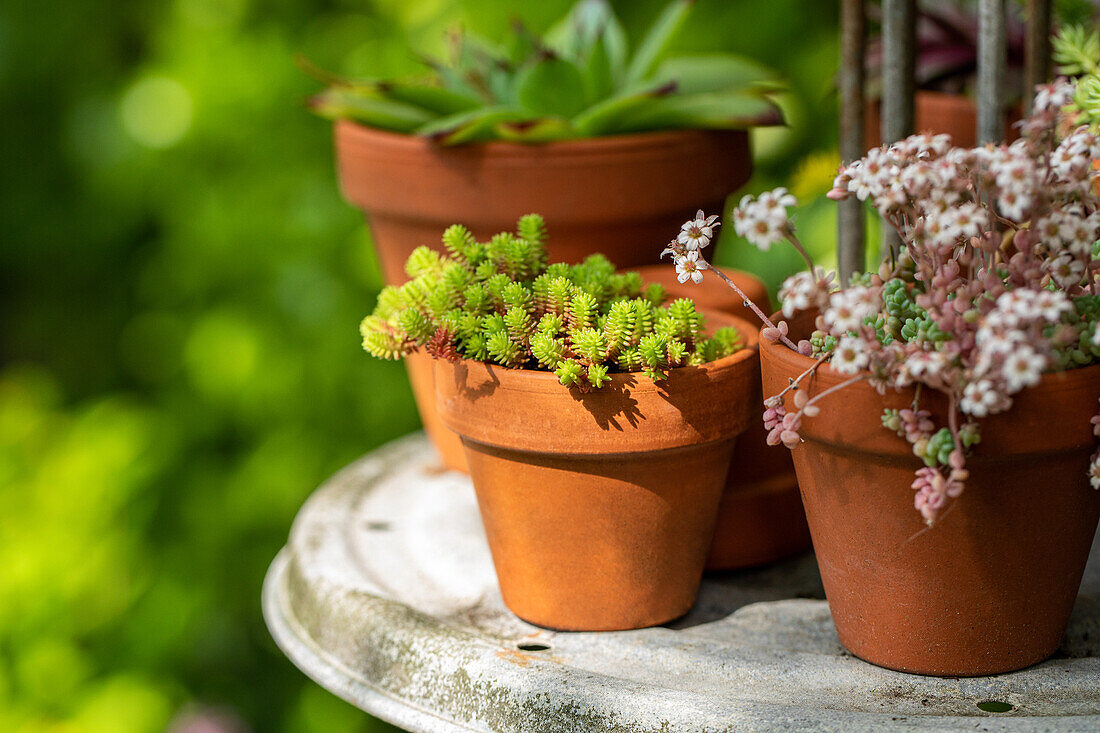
{"x": 599, "y": 508}
{"x": 760, "y": 519}
{"x": 988, "y": 588}
{"x": 622, "y": 195}
{"x": 939, "y": 113}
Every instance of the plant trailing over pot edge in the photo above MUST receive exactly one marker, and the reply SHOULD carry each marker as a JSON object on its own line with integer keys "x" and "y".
{"x": 992, "y": 295}
{"x": 590, "y": 520}
{"x": 760, "y": 519}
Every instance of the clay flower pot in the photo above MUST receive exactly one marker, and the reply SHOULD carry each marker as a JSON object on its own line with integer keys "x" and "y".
{"x": 987, "y": 589}
{"x": 599, "y": 508}
{"x": 938, "y": 113}
{"x": 622, "y": 195}
{"x": 760, "y": 519}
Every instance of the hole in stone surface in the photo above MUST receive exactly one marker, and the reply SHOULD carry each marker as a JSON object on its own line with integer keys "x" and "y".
{"x": 378, "y": 526}
{"x": 532, "y": 646}
{"x": 994, "y": 706}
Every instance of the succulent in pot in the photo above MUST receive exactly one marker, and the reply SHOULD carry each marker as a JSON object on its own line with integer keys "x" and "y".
{"x": 579, "y": 397}
{"x": 626, "y": 142}
{"x": 961, "y": 379}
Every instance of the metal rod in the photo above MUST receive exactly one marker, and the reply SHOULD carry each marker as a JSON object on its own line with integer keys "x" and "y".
{"x": 851, "y": 239}
{"x": 899, "y": 34}
{"x": 1037, "y": 48}
{"x": 991, "y": 70}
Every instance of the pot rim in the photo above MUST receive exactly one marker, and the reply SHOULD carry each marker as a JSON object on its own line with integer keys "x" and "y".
{"x": 621, "y": 142}
{"x": 777, "y": 351}
{"x": 999, "y": 432}
{"x": 696, "y": 405}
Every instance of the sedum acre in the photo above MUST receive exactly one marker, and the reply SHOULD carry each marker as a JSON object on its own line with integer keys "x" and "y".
{"x": 499, "y": 301}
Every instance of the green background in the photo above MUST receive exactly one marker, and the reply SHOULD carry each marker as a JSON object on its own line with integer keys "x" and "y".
{"x": 181, "y": 286}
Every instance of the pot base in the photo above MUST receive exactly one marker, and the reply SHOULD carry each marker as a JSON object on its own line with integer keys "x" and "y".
{"x": 605, "y": 543}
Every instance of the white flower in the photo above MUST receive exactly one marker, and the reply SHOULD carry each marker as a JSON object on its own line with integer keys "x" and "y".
{"x": 689, "y": 265}
{"x": 804, "y": 290}
{"x": 848, "y": 309}
{"x": 1065, "y": 269}
{"x": 696, "y": 233}
{"x": 1023, "y": 368}
{"x": 1094, "y": 471}
{"x": 922, "y": 366}
{"x": 763, "y": 221}
{"x": 979, "y": 398}
{"x": 1096, "y": 336}
{"x": 850, "y": 355}
{"x": 1054, "y": 96}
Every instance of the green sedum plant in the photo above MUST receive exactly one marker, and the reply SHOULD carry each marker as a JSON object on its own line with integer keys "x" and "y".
{"x": 579, "y": 80}
{"x": 499, "y": 301}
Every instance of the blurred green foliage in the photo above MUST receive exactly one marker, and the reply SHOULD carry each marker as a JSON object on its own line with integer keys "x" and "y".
{"x": 180, "y": 287}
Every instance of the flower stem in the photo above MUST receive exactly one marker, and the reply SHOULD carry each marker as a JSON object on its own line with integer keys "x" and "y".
{"x": 752, "y": 306}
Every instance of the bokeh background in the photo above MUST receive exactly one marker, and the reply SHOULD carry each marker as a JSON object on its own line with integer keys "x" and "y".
{"x": 180, "y": 289}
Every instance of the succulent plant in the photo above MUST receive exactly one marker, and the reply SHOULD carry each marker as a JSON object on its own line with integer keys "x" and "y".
{"x": 579, "y": 80}
{"x": 499, "y": 301}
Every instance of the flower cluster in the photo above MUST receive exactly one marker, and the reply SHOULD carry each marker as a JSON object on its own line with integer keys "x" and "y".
{"x": 687, "y": 248}
{"x": 995, "y": 284}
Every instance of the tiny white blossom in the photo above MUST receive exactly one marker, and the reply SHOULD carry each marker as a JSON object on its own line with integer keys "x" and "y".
{"x": 850, "y": 355}
{"x": 848, "y": 309}
{"x": 979, "y": 398}
{"x": 697, "y": 233}
{"x": 690, "y": 266}
{"x": 1023, "y": 368}
{"x": 763, "y": 220}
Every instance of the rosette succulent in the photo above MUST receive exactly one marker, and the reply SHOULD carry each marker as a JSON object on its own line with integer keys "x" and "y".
{"x": 579, "y": 80}
{"x": 499, "y": 301}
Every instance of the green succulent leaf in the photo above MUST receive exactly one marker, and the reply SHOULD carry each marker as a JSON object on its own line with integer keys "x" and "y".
{"x": 429, "y": 96}
{"x": 657, "y": 40}
{"x": 717, "y": 110}
{"x": 715, "y": 73}
{"x": 338, "y": 103}
{"x": 470, "y": 126}
{"x": 551, "y": 87}
{"x": 544, "y": 129}
{"x": 606, "y": 115}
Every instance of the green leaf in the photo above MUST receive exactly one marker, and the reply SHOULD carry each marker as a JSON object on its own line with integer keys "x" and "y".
{"x": 596, "y": 71}
{"x": 436, "y": 99}
{"x": 470, "y": 126}
{"x": 574, "y": 35}
{"x": 540, "y": 130}
{"x": 715, "y": 73}
{"x": 553, "y": 86}
{"x": 657, "y": 39}
{"x": 722, "y": 110}
{"x": 385, "y": 114}
{"x": 604, "y": 116}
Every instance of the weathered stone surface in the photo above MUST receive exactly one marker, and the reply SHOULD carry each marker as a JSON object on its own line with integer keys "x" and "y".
{"x": 385, "y": 595}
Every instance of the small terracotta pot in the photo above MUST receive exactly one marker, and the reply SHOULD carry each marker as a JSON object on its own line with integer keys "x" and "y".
{"x": 938, "y": 113}
{"x": 987, "y": 589}
{"x": 760, "y": 519}
{"x": 599, "y": 508}
{"x": 622, "y": 195}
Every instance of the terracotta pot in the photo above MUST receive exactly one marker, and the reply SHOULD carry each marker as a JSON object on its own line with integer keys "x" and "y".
{"x": 760, "y": 519}
{"x": 599, "y": 508}
{"x": 938, "y": 112}
{"x": 447, "y": 444}
{"x": 987, "y": 589}
{"x": 622, "y": 195}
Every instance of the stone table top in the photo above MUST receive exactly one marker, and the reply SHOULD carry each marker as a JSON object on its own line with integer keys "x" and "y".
{"x": 385, "y": 595}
